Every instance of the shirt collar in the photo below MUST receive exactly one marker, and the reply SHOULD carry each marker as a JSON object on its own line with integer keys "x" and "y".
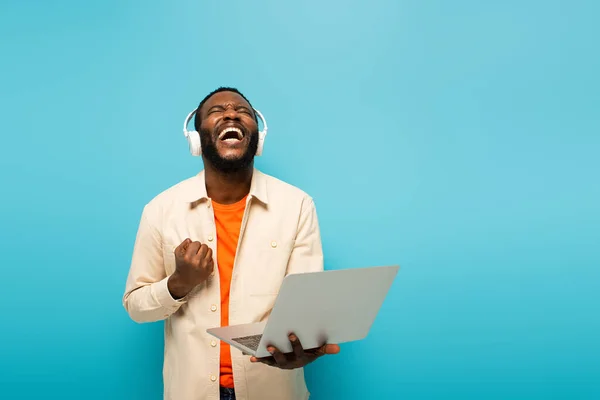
{"x": 195, "y": 190}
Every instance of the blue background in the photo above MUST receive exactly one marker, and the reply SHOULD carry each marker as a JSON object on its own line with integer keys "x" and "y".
{"x": 459, "y": 139}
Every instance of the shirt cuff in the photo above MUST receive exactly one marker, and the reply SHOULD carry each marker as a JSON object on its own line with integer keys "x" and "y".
{"x": 162, "y": 294}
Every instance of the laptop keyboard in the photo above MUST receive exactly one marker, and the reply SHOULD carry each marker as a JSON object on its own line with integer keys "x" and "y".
{"x": 250, "y": 342}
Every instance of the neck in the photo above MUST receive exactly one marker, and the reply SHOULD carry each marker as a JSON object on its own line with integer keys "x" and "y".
{"x": 227, "y": 188}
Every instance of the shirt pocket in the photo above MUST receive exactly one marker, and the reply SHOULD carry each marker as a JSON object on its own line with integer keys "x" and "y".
{"x": 268, "y": 268}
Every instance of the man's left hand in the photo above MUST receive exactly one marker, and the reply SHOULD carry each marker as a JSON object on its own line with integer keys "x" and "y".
{"x": 298, "y": 358}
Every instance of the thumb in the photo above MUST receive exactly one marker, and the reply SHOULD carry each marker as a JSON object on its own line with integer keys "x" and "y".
{"x": 183, "y": 246}
{"x": 331, "y": 349}
{"x": 328, "y": 349}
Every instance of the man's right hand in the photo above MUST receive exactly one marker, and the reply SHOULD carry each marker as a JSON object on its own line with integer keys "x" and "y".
{"x": 193, "y": 265}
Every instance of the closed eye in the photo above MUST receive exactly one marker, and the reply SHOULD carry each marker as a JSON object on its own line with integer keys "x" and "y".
{"x": 215, "y": 109}
{"x": 243, "y": 110}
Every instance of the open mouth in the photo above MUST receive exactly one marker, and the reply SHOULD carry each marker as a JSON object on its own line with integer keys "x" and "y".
{"x": 231, "y": 134}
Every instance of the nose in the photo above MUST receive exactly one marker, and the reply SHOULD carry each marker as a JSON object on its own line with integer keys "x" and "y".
{"x": 231, "y": 114}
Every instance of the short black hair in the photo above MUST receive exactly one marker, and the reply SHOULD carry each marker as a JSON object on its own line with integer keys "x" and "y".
{"x": 197, "y": 117}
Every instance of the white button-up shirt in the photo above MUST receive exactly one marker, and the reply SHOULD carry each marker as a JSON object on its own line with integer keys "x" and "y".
{"x": 279, "y": 236}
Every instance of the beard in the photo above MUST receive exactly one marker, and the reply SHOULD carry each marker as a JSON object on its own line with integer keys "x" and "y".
{"x": 228, "y": 165}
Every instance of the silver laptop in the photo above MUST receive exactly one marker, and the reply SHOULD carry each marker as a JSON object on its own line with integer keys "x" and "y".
{"x": 329, "y": 307}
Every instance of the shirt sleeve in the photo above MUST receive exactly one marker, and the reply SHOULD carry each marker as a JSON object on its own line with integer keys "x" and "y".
{"x": 147, "y": 297}
{"x": 307, "y": 253}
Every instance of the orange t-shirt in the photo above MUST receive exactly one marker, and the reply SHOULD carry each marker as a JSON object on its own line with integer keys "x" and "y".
{"x": 228, "y": 221}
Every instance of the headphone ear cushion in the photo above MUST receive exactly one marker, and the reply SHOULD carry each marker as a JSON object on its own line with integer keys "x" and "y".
{"x": 194, "y": 142}
{"x": 261, "y": 142}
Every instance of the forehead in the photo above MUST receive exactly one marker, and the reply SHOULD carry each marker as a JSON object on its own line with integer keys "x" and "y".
{"x": 225, "y": 98}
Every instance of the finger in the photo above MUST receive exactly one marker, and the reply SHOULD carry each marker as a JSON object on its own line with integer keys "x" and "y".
{"x": 278, "y": 356}
{"x": 327, "y": 349}
{"x": 265, "y": 360}
{"x": 297, "y": 346}
{"x": 202, "y": 250}
{"x": 332, "y": 349}
{"x": 209, "y": 256}
{"x": 181, "y": 249}
{"x": 192, "y": 249}
{"x": 209, "y": 262}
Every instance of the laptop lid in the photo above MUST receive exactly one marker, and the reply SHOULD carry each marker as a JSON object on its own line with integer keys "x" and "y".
{"x": 333, "y": 307}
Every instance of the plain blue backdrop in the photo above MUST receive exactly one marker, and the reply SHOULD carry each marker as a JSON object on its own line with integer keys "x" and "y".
{"x": 459, "y": 139}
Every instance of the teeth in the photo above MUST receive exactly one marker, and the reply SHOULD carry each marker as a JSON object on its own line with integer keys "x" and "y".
{"x": 225, "y": 131}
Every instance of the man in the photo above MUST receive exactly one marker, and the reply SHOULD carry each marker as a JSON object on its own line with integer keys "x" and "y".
{"x": 213, "y": 251}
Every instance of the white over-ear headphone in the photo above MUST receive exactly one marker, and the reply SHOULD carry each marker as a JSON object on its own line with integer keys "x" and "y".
{"x": 193, "y": 137}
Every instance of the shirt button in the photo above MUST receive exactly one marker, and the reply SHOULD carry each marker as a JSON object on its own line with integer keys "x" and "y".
{"x": 210, "y": 238}
{"x": 213, "y": 378}
{"x": 213, "y": 343}
{"x": 213, "y": 308}
{"x": 273, "y": 244}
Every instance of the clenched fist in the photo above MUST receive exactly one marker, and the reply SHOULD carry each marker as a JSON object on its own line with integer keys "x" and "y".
{"x": 193, "y": 265}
